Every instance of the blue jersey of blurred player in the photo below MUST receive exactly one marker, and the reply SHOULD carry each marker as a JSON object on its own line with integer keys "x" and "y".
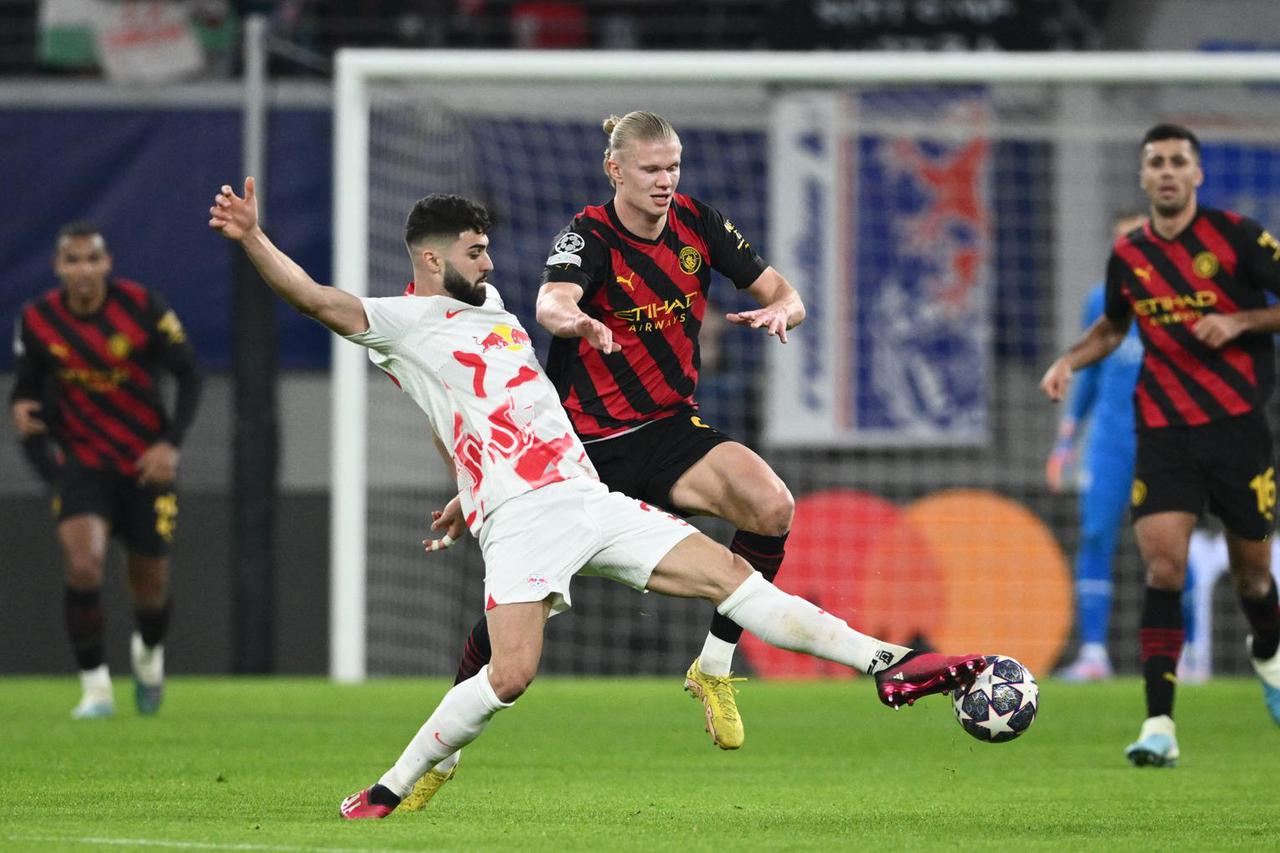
{"x": 1103, "y": 397}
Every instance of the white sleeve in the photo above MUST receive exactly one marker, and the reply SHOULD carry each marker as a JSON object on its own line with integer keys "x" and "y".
{"x": 390, "y": 319}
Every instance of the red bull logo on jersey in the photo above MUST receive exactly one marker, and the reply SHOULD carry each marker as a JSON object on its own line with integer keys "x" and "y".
{"x": 504, "y": 337}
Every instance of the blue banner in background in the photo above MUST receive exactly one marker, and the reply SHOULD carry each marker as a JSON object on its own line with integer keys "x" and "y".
{"x": 894, "y": 249}
{"x": 147, "y": 177}
{"x": 922, "y": 259}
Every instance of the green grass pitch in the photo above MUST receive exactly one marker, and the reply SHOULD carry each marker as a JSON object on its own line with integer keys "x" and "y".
{"x": 623, "y": 764}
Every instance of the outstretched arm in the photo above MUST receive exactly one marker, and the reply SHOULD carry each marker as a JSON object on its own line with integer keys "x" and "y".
{"x": 236, "y": 219}
{"x": 780, "y": 306}
{"x": 557, "y": 311}
{"x": 1098, "y": 342}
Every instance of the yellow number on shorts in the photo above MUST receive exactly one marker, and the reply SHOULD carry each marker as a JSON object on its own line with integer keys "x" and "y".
{"x": 1264, "y": 486}
{"x": 166, "y": 507}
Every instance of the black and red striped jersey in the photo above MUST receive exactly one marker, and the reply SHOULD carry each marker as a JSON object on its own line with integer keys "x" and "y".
{"x": 653, "y": 295}
{"x": 1221, "y": 262}
{"x": 104, "y": 369}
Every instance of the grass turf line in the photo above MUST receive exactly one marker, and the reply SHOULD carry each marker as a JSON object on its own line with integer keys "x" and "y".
{"x": 622, "y": 764}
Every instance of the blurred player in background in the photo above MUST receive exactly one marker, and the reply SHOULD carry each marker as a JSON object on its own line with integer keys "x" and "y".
{"x": 625, "y": 295}
{"x": 1195, "y": 278}
{"x": 527, "y": 489}
{"x": 1103, "y": 400}
{"x": 89, "y": 354}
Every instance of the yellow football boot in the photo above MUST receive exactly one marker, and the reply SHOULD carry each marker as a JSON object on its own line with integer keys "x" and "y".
{"x": 424, "y": 789}
{"x": 717, "y": 696}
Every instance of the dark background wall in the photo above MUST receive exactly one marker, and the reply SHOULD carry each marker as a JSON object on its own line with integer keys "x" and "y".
{"x": 147, "y": 176}
{"x": 32, "y": 637}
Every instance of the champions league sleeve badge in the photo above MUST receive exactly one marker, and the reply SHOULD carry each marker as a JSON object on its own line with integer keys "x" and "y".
{"x": 566, "y": 249}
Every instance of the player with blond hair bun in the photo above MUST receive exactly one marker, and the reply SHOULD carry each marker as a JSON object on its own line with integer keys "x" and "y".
{"x": 625, "y": 293}
{"x": 527, "y": 489}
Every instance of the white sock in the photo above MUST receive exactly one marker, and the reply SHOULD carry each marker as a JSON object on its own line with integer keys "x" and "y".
{"x": 789, "y": 622}
{"x": 96, "y": 682}
{"x": 148, "y": 661}
{"x": 717, "y": 656}
{"x": 448, "y": 762}
{"x": 459, "y": 719}
{"x": 1096, "y": 652}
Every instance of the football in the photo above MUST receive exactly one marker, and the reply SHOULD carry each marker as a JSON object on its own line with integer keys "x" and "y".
{"x": 1001, "y": 703}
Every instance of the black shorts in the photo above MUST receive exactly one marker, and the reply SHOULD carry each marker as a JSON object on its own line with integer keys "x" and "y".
{"x": 646, "y": 462}
{"x": 1224, "y": 465}
{"x": 142, "y": 517}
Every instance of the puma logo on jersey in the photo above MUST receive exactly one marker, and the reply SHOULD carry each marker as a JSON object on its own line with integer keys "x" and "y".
{"x": 628, "y": 282}
{"x": 1143, "y": 273}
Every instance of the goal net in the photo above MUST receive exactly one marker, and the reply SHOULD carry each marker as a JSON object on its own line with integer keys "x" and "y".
{"x": 943, "y": 217}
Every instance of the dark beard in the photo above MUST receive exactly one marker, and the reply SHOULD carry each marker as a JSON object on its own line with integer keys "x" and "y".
{"x": 1169, "y": 210}
{"x": 457, "y": 286}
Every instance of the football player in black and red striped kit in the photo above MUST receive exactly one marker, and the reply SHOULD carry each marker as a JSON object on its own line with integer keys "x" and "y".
{"x": 624, "y": 293}
{"x": 1196, "y": 280}
{"x": 100, "y": 342}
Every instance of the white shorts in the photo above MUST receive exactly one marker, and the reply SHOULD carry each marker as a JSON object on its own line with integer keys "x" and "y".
{"x": 535, "y": 543}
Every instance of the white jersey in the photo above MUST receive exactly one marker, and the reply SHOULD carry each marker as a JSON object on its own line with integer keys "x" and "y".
{"x": 473, "y": 370}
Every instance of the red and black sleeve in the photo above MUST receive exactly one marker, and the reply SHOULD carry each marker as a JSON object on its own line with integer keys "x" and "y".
{"x": 173, "y": 351}
{"x": 1259, "y": 255}
{"x": 1116, "y": 305}
{"x": 731, "y": 254}
{"x": 31, "y": 365}
{"x": 577, "y": 256}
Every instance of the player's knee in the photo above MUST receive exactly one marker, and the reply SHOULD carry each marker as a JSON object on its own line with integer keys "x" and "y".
{"x": 774, "y": 511}
{"x": 510, "y": 680}
{"x": 84, "y": 569}
{"x": 726, "y": 576}
{"x": 1165, "y": 572}
{"x": 150, "y": 595}
{"x": 1252, "y": 581}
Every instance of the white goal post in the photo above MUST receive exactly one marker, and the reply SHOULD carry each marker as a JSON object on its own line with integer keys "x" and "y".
{"x": 642, "y": 80}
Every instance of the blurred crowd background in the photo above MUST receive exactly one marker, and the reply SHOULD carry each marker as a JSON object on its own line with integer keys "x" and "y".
{"x": 78, "y": 37}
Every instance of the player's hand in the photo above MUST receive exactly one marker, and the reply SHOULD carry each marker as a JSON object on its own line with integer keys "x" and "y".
{"x": 1061, "y": 458}
{"x": 158, "y": 465}
{"x": 596, "y": 333}
{"x": 233, "y": 216}
{"x": 1217, "y": 330}
{"x": 1056, "y": 379}
{"x": 26, "y": 418}
{"x": 449, "y": 520}
{"x": 771, "y": 318}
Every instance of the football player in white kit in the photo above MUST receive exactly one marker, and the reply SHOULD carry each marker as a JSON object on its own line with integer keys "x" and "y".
{"x": 526, "y": 489}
